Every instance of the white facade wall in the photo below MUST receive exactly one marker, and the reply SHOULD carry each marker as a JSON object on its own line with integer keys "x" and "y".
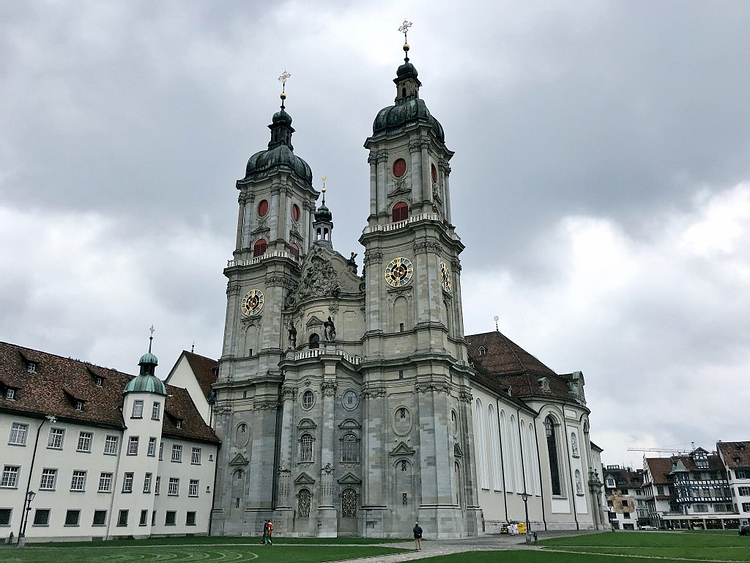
{"x": 182, "y": 376}
{"x": 94, "y": 463}
{"x": 742, "y": 501}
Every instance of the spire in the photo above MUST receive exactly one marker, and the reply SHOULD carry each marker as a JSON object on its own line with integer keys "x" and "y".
{"x": 405, "y": 30}
{"x": 323, "y": 224}
{"x": 281, "y": 126}
{"x": 147, "y": 382}
{"x": 407, "y": 83}
{"x": 148, "y": 361}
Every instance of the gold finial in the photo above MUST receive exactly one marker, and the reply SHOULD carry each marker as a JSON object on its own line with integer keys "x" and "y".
{"x": 324, "y": 183}
{"x": 283, "y": 78}
{"x": 405, "y": 30}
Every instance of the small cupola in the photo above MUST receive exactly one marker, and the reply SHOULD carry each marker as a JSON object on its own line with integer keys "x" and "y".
{"x": 407, "y": 83}
{"x": 323, "y": 224}
{"x": 281, "y": 122}
{"x": 146, "y": 381}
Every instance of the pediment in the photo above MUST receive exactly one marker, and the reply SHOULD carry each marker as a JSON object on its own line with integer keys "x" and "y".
{"x": 349, "y": 479}
{"x": 306, "y": 424}
{"x": 314, "y": 321}
{"x": 350, "y": 424}
{"x": 402, "y": 449}
{"x": 304, "y": 479}
{"x": 239, "y": 459}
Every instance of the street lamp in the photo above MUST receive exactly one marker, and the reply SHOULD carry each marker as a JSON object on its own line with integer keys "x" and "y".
{"x": 525, "y": 498}
{"x": 27, "y": 508}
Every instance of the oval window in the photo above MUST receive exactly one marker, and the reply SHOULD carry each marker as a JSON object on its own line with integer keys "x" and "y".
{"x": 399, "y": 168}
{"x": 295, "y": 212}
{"x": 308, "y": 399}
{"x": 263, "y": 208}
{"x": 433, "y": 170}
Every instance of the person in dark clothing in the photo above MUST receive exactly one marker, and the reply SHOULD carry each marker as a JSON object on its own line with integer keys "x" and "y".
{"x": 265, "y": 532}
{"x": 417, "y": 536}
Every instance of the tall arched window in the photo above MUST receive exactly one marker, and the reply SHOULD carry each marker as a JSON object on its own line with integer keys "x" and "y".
{"x": 306, "y": 448}
{"x": 535, "y": 461}
{"x": 481, "y": 445}
{"x": 303, "y": 503}
{"x": 349, "y": 448}
{"x": 314, "y": 341}
{"x": 294, "y": 249}
{"x": 349, "y": 503}
{"x": 400, "y": 212}
{"x": 515, "y": 447}
{"x": 525, "y": 456}
{"x": 554, "y": 465}
{"x": 259, "y": 249}
{"x": 497, "y": 480}
{"x": 507, "y": 452}
{"x": 490, "y": 444}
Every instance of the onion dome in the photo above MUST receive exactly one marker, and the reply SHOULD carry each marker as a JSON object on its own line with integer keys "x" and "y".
{"x": 408, "y": 107}
{"x": 146, "y": 381}
{"x": 280, "y": 152}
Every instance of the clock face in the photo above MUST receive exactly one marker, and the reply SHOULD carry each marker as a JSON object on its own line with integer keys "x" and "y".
{"x": 445, "y": 276}
{"x": 399, "y": 272}
{"x": 252, "y": 303}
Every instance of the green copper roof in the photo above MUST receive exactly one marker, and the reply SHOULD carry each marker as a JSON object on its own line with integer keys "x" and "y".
{"x": 148, "y": 358}
{"x": 146, "y": 384}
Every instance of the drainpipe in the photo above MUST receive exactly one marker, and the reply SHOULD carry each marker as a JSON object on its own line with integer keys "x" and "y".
{"x": 24, "y": 516}
{"x": 502, "y": 461}
{"x": 539, "y": 464}
{"x": 570, "y": 470}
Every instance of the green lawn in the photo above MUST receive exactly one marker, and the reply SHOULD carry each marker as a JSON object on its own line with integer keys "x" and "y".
{"x": 615, "y": 547}
{"x": 172, "y": 551}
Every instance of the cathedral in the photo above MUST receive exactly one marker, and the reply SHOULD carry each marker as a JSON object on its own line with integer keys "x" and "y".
{"x": 353, "y": 404}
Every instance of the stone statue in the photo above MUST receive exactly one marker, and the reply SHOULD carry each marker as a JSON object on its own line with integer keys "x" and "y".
{"x": 292, "y": 335}
{"x": 351, "y": 263}
{"x": 330, "y": 330}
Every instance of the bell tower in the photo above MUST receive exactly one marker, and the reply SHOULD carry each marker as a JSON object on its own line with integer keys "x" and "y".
{"x": 274, "y": 231}
{"x": 416, "y": 375}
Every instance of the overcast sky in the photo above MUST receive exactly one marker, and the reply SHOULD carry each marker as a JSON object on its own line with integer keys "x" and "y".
{"x": 601, "y": 181}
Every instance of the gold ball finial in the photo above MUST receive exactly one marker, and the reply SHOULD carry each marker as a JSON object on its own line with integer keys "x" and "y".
{"x": 406, "y": 47}
{"x": 283, "y": 96}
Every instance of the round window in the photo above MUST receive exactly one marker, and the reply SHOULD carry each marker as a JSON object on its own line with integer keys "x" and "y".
{"x": 295, "y": 212}
{"x": 308, "y": 399}
{"x": 263, "y": 208}
{"x": 399, "y": 168}
{"x": 350, "y": 400}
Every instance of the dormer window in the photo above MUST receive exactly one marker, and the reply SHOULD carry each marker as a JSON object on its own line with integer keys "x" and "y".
{"x": 79, "y": 405}
{"x": 544, "y": 383}
{"x": 178, "y": 424}
{"x": 31, "y": 367}
{"x": 98, "y": 381}
{"x": 741, "y": 447}
{"x": 482, "y": 351}
{"x": 10, "y": 394}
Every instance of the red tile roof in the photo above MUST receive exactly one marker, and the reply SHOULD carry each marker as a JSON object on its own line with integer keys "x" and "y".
{"x": 204, "y": 369}
{"x": 58, "y": 382}
{"x": 660, "y": 467}
{"x": 732, "y": 451}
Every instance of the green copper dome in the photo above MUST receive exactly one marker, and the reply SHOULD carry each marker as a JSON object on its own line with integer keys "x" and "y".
{"x": 408, "y": 111}
{"x": 146, "y": 384}
{"x": 323, "y": 213}
{"x": 148, "y": 358}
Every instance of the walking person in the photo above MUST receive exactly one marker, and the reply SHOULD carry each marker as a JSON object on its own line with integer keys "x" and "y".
{"x": 265, "y": 532}
{"x": 417, "y": 536}
{"x": 270, "y": 532}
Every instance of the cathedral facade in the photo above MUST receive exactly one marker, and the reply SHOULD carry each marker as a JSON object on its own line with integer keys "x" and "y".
{"x": 353, "y": 403}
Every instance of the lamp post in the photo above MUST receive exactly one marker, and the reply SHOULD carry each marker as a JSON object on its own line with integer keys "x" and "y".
{"x": 27, "y": 508}
{"x": 525, "y": 498}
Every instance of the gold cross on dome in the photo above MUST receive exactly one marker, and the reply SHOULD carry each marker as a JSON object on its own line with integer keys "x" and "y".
{"x": 283, "y": 78}
{"x": 152, "y": 330}
{"x": 405, "y": 28}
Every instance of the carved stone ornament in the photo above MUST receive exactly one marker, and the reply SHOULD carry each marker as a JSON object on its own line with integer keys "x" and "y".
{"x": 382, "y": 156}
{"x": 373, "y": 392}
{"x": 328, "y": 469}
{"x": 400, "y": 190}
{"x": 318, "y": 280}
{"x": 415, "y": 146}
{"x": 425, "y": 246}
{"x": 432, "y": 386}
{"x": 328, "y": 388}
{"x": 465, "y": 396}
{"x": 233, "y": 289}
{"x": 289, "y": 393}
{"x": 372, "y": 256}
{"x": 267, "y": 404}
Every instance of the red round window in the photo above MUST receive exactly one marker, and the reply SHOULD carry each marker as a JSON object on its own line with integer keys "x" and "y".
{"x": 399, "y": 168}
{"x": 263, "y": 208}
{"x": 295, "y": 212}
{"x": 434, "y": 173}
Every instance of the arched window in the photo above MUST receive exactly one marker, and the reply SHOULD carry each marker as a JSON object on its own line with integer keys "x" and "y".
{"x": 400, "y": 212}
{"x": 507, "y": 452}
{"x": 238, "y": 474}
{"x": 349, "y": 448}
{"x": 433, "y": 172}
{"x": 515, "y": 447}
{"x": 554, "y": 466}
{"x": 481, "y": 445}
{"x": 314, "y": 340}
{"x": 574, "y": 444}
{"x": 400, "y": 311}
{"x": 535, "y": 461}
{"x": 525, "y": 456}
{"x": 306, "y": 448}
{"x": 494, "y": 438}
{"x": 260, "y": 247}
{"x": 349, "y": 503}
{"x": 579, "y": 483}
{"x": 482, "y": 351}
{"x": 303, "y": 503}
{"x": 294, "y": 249}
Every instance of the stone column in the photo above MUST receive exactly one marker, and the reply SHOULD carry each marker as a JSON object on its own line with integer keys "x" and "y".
{"x": 474, "y": 517}
{"x": 327, "y": 520}
{"x": 375, "y": 462}
{"x": 274, "y": 214}
{"x": 446, "y": 187}
{"x": 373, "y": 162}
{"x": 382, "y": 181}
{"x": 240, "y": 221}
{"x": 415, "y": 177}
{"x": 284, "y": 514}
{"x": 426, "y": 179}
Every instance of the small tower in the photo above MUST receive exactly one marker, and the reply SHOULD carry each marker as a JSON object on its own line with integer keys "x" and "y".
{"x": 142, "y": 411}
{"x": 323, "y": 224}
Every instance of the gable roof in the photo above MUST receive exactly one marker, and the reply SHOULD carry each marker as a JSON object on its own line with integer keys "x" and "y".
{"x": 48, "y": 390}
{"x": 204, "y": 369}
{"x": 661, "y": 467}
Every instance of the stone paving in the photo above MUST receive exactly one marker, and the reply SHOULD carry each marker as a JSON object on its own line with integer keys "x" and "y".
{"x": 434, "y": 548}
